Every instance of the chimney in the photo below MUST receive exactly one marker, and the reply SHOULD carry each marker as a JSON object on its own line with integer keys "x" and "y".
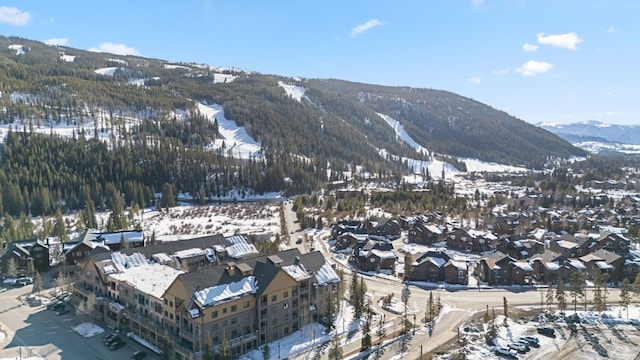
{"x": 231, "y": 268}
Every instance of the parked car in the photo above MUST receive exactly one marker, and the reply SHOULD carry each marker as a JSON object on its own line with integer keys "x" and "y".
{"x": 521, "y": 349}
{"x": 24, "y": 281}
{"x": 506, "y": 352}
{"x": 112, "y": 340}
{"x": 55, "y": 306}
{"x": 62, "y": 311}
{"x": 117, "y": 344}
{"x": 138, "y": 355}
{"x": 547, "y": 331}
{"x": 532, "y": 340}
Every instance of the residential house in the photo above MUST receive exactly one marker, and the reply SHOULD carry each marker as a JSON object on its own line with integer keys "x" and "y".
{"x": 16, "y": 255}
{"x": 424, "y": 233}
{"x": 546, "y": 267}
{"x": 494, "y": 269}
{"x": 429, "y": 267}
{"x": 604, "y": 262}
{"x": 456, "y": 272}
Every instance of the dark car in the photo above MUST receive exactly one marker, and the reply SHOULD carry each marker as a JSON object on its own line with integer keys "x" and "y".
{"x": 138, "y": 355}
{"x": 116, "y": 344}
{"x": 55, "y": 306}
{"x": 547, "y": 331}
{"x": 112, "y": 340}
{"x": 62, "y": 311}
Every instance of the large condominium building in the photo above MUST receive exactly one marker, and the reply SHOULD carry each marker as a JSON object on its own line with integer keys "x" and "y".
{"x": 211, "y": 290}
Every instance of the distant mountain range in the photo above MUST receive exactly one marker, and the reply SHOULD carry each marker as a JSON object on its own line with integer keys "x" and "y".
{"x": 595, "y": 131}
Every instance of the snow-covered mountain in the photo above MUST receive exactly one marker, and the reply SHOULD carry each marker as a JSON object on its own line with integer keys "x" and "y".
{"x": 590, "y": 130}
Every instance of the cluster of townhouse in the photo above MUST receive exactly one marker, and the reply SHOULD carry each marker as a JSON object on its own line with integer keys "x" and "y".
{"x": 499, "y": 257}
{"x": 206, "y": 290}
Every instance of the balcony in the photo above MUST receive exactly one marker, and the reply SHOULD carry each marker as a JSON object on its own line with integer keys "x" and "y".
{"x": 243, "y": 339}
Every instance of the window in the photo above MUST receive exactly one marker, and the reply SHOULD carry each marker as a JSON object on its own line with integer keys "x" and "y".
{"x": 214, "y": 314}
{"x": 246, "y": 304}
{"x": 166, "y": 301}
{"x": 215, "y": 326}
{"x": 234, "y": 308}
{"x": 171, "y": 316}
{"x": 285, "y": 294}
{"x": 170, "y": 303}
{"x": 166, "y": 314}
{"x": 274, "y": 298}
{"x": 234, "y": 321}
{"x": 224, "y": 310}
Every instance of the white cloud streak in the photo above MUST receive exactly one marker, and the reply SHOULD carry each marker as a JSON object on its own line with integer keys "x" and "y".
{"x": 533, "y": 68}
{"x": 567, "y": 41}
{"x": 477, "y": 2}
{"x": 529, "y": 47}
{"x": 117, "y": 49}
{"x": 503, "y": 71}
{"x": 475, "y": 80}
{"x": 611, "y": 30}
{"x": 366, "y": 26}
{"x": 14, "y": 16}
{"x": 57, "y": 41}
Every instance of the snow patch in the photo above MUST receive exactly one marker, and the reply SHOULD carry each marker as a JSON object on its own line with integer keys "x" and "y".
{"x": 88, "y": 329}
{"x": 67, "y": 58}
{"x": 234, "y": 139}
{"x": 293, "y": 91}
{"x": 107, "y": 71}
{"x": 18, "y": 48}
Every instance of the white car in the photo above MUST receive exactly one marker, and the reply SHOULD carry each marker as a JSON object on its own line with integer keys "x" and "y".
{"x": 501, "y": 350}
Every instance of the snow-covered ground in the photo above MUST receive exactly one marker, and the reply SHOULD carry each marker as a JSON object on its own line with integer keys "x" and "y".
{"x": 294, "y": 91}
{"x": 87, "y": 329}
{"x": 233, "y": 138}
{"x": 67, "y": 58}
{"x": 19, "y": 49}
{"x": 107, "y": 71}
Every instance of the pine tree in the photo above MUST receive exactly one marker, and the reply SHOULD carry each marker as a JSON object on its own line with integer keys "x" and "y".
{"x": 166, "y": 350}
{"x": 598, "y": 300}
{"x": 335, "y": 349}
{"x": 266, "y": 352}
{"x": 561, "y": 296}
{"x": 407, "y": 266}
{"x": 505, "y": 309}
{"x": 366, "y": 331}
{"x": 223, "y": 354}
{"x": 12, "y": 267}
{"x": 37, "y": 283}
{"x": 625, "y": 296}
{"x": 60, "y": 228}
{"x": 549, "y": 296}
{"x": 430, "y": 307}
{"x": 381, "y": 334}
{"x": 576, "y": 283}
{"x": 635, "y": 288}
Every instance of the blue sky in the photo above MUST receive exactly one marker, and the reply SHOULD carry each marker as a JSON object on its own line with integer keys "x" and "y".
{"x": 541, "y": 61}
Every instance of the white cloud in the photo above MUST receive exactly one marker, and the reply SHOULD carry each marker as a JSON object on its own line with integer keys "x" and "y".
{"x": 118, "y": 49}
{"x": 14, "y": 16}
{"x": 57, "y": 41}
{"x": 611, "y": 30}
{"x": 366, "y": 26}
{"x": 532, "y": 68}
{"x": 529, "y": 47}
{"x": 477, "y": 2}
{"x": 503, "y": 71}
{"x": 475, "y": 80}
{"x": 568, "y": 41}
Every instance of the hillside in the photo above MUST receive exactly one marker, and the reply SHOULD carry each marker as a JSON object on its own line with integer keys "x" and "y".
{"x": 84, "y": 125}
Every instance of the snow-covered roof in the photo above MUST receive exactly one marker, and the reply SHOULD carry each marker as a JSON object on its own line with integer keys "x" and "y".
{"x": 326, "y": 275}
{"x": 566, "y": 244}
{"x": 523, "y": 265}
{"x": 152, "y": 279}
{"x": 576, "y": 263}
{"x": 460, "y": 265}
{"x": 225, "y": 292}
{"x": 384, "y": 254}
{"x": 298, "y": 272}
{"x": 241, "y": 250}
{"x": 439, "y": 262}
{"x": 187, "y": 253}
{"x": 434, "y": 229}
{"x": 603, "y": 265}
{"x": 552, "y": 265}
{"x": 115, "y": 238}
{"x": 109, "y": 269}
{"x": 194, "y": 313}
{"x": 123, "y": 261}
{"x": 161, "y": 258}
